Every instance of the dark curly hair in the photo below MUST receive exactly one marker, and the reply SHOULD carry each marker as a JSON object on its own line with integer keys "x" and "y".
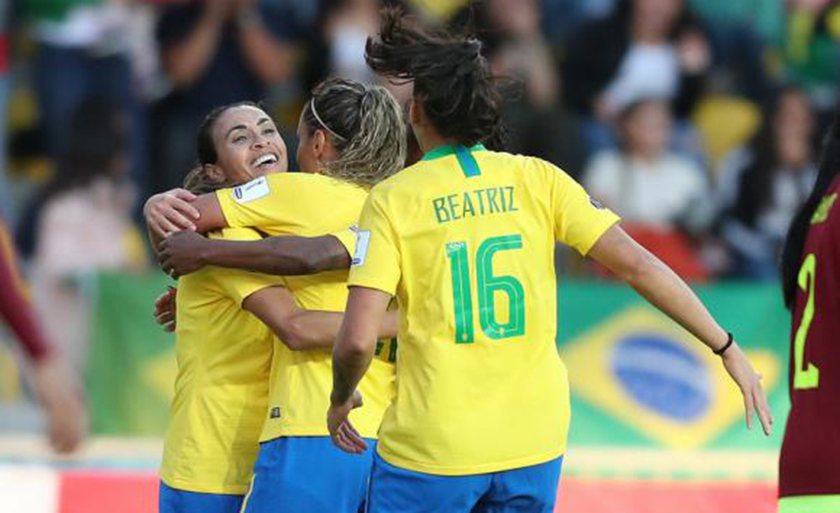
{"x": 452, "y": 80}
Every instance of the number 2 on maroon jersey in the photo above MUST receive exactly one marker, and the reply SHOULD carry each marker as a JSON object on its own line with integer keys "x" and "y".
{"x": 805, "y": 377}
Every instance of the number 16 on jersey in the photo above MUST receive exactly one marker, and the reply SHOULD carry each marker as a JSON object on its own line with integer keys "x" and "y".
{"x": 487, "y": 287}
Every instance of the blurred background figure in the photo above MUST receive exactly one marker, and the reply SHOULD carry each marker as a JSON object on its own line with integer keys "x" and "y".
{"x": 57, "y": 387}
{"x": 80, "y": 223}
{"x": 89, "y": 45}
{"x": 537, "y": 124}
{"x": 766, "y": 183}
{"x": 810, "y": 48}
{"x": 645, "y": 48}
{"x": 661, "y": 195}
{"x": 216, "y": 52}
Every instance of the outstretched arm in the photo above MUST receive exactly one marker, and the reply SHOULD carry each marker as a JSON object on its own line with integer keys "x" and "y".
{"x": 657, "y": 283}
{"x": 300, "y": 329}
{"x": 185, "y": 252}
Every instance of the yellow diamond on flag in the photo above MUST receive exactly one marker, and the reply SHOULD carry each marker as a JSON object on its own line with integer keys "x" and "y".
{"x": 646, "y": 371}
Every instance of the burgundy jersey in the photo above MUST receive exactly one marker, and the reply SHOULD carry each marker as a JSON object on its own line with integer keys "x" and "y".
{"x": 810, "y": 458}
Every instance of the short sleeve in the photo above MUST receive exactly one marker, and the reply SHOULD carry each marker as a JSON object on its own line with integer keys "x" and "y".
{"x": 376, "y": 259}
{"x": 579, "y": 221}
{"x": 260, "y": 202}
{"x": 347, "y": 238}
{"x": 236, "y": 283}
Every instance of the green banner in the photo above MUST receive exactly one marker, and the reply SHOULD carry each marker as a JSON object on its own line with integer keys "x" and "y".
{"x": 638, "y": 380}
{"x": 131, "y": 363}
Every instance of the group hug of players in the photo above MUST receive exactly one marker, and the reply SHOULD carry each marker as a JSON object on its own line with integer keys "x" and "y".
{"x": 343, "y": 345}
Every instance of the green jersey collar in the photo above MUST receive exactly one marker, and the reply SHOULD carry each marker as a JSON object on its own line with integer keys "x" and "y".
{"x": 449, "y": 149}
{"x": 464, "y": 155}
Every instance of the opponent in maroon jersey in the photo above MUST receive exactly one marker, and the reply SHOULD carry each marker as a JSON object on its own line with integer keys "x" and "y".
{"x": 58, "y": 388}
{"x": 809, "y": 468}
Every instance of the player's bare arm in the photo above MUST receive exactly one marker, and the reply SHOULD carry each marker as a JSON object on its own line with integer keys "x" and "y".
{"x": 664, "y": 289}
{"x": 178, "y": 209}
{"x": 352, "y": 353}
{"x": 303, "y": 330}
{"x": 186, "y": 252}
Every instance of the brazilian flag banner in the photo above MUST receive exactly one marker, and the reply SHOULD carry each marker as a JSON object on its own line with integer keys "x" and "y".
{"x": 648, "y": 400}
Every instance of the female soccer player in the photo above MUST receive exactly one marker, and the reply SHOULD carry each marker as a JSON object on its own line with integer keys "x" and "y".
{"x": 465, "y": 241}
{"x": 351, "y": 132}
{"x": 809, "y": 467}
{"x": 224, "y": 353}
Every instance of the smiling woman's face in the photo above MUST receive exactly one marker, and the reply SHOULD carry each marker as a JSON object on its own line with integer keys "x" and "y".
{"x": 248, "y": 145}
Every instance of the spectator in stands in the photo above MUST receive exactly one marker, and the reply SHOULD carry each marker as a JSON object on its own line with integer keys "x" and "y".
{"x": 516, "y": 48}
{"x": 84, "y": 49}
{"x": 646, "y": 48}
{"x": 216, "y": 52}
{"x": 658, "y": 193}
{"x": 348, "y": 25}
{"x": 57, "y": 387}
{"x": 762, "y": 186}
{"x": 82, "y": 224}
{"x": 812, "y": 48}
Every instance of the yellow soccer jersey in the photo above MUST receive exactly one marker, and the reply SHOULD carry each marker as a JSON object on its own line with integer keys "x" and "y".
{"x": 221, "y": 391}
{"x": 465, "y": 240}
{"x": 309, "y": 205}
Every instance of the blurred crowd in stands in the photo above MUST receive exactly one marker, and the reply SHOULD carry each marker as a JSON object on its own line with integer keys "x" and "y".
{"x": 698, "y": 121}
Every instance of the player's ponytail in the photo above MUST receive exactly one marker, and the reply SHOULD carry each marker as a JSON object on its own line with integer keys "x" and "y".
{"x": 452, "y": 79}
{"x": 366, "y": 127}
{"x": 798, "y": 232}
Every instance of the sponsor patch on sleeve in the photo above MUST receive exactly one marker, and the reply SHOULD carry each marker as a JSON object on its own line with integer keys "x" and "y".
{"x": 362, "y": 243}
{"x": 253, "y": 190}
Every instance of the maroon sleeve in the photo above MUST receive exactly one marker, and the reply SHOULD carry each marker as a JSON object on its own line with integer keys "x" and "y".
{"x": 14, "y": 304}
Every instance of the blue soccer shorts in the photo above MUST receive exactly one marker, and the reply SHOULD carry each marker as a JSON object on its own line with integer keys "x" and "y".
{"x": 308, "y": 474}
{"x": 523, "y": 490}
{"x": 172, "y": 500}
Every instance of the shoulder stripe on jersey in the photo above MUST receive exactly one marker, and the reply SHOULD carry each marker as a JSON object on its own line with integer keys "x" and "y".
{"x": 467, "y": 162}
{"x": 462, "y": 153}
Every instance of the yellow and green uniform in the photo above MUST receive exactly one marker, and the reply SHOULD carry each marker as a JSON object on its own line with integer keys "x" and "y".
{"x": 310, "y": 205}
{"x": 465, "y": 240}
{"x": 221, "y": 391}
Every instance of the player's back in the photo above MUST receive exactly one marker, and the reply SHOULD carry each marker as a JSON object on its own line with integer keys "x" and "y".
{"x": 480, "y": 385}
{"x": 811, "y": 448}
{"x": 308, "y": 205}
{"x": 221, "y": 390}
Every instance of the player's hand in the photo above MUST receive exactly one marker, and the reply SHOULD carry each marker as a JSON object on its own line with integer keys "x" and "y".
{"x": 62, "y": 399}
{"x": 165, "y": 309}
{"x": 749, "y": 381}
{"x": 343, "y": 434}
{"x": 171, "y": 211}
{"x": 183, "y": 253}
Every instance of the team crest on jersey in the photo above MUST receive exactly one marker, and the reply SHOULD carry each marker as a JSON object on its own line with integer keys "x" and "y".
{"x": 253, "y": 190}
{"x": 653, "y": 376}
